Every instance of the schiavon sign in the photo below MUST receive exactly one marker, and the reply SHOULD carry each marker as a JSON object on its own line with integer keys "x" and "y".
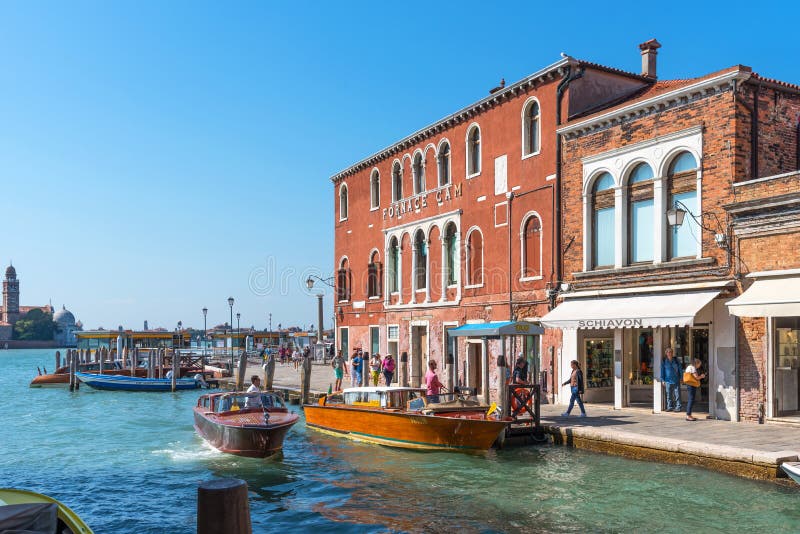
{"x": 610, "y": 323}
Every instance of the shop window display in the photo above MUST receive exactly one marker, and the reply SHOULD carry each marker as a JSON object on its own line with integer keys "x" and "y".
{"x": 642, "y": 373}
{"x": 599, "y": 363}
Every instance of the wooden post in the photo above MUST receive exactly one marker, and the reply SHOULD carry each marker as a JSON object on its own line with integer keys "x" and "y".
{"x": 69, "y": 367}
{"x": 58, "y": 360}
{"x": 241, "y": 371}
{"x": 502, "y": 386}
{"x": 448, "y": 375}
{"x": 175, "y": 370}
{"x": 100, "y": 365}
{"x": 269, "y": 371}
{"x": 134, "y": 361}
{"x": 305, "y": 379}
{"x": 222, "y": 507}
{"x": 402, "y": 370}
{"x": 159, "y": 363}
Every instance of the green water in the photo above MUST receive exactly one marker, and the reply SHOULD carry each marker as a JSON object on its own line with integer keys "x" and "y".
{"x": 131, "y": 462}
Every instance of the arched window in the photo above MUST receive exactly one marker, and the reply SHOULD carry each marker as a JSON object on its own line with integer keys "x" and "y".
{"x": 532, "y": 247}
{"x": 531, "y": 133}
{"x": 641, "y": 214}
{"x": 397, "y": 183}
{"x": 474, "y": 151}
{"x": 374, "y": 272}
{"x": 682, "y": 184}
{"x": 394, "y": 265}
{"x": 343, "y": 202}
{"x": 343, "y": 281}
{"x": 418, "y": 173}
{"x": 375, "y": 189}
{"x": 421, "y": 260}
{"x": 475, "y": 258}
{"x": 443, "y": 159}
{"x": 450, "y": 251}
{"x": 603, "y": 241}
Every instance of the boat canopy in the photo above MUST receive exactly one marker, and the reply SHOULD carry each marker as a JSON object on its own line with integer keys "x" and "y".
{"x": 496, "y": 329}
{"x": 379, "y": 389}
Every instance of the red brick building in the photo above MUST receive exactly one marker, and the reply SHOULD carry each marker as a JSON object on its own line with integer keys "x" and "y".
{"x": 454, "y": 225}
{"x": 634, "y": 283}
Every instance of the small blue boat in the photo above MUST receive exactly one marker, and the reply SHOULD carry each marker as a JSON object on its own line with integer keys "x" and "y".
{"x": 133, "y": 383}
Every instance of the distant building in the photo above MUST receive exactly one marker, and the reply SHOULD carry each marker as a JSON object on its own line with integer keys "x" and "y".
{"x": 67, "y": 326}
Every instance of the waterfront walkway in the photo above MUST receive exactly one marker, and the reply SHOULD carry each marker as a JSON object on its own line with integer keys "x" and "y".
{"x": 744, "y": 449}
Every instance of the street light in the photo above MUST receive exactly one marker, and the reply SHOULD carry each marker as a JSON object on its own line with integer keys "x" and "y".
{"x": 180, "y": 339}
{"x": 320, "y": 323}
{"x": 205, "y": 341}
{"x": 230, "y": 303}
{"x": 678, "y": 211}
{"x": 238, "y": 332}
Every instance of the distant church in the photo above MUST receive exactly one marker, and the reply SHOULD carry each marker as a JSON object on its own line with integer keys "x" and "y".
{"x": 11, "y": 312}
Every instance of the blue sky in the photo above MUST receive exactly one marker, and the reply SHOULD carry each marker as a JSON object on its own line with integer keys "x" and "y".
{"x": 158, "y": 157}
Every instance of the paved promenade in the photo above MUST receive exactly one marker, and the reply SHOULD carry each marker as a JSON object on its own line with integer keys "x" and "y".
{"x": 744, "y": 449}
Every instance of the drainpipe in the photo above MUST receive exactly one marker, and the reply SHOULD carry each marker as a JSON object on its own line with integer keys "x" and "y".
{"x": 797, "y": 148}
{"x": 569, "y": 76}
{"x": 509, "y": 198}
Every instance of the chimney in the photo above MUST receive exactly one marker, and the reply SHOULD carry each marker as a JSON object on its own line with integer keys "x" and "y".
{"x": 649, "y": 51}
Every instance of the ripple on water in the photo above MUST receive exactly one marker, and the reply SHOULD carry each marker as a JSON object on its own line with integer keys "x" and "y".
{"x": 131, "y": 462}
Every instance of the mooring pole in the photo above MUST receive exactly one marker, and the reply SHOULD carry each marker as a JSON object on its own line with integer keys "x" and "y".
{"x": 241, "y": 371}
{"x": 502, "y": 386}
{"x": 70, "y": 358}
{"x": 305, "y": 379}
{"x": 222, "y": 507}
{"x": 402, "y": 370}
{"x": 175, "y": 369}
{"x": 58, "y": 360}
{"x": 269, "y": 371}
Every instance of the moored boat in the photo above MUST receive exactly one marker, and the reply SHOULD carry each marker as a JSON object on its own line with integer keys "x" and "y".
{"x": 244, "y": 424}
{"x": 61, "y": 376}
{"x": 792, "y": 469}
{"x": 133, "y": 383}
{"x": 405, "y": 417}
{"x": 28, "y": 511}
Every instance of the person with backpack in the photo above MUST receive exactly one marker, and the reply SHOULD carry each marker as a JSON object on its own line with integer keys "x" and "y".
{"x": 388, "y": 369}
{"x": 576, "y": 388}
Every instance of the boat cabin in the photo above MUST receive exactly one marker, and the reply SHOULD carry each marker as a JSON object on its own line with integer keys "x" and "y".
{"x": 232, "y": 402}
{"x": 409, "y": 399}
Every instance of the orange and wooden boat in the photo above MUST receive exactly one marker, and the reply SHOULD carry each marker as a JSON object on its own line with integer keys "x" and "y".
{"x": 405, "y": 417}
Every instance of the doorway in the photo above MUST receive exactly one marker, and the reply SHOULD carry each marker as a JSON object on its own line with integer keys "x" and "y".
{"x": 473, "y": 370}
{"x": 786, "y": 365}
{"x": 419, "y": 353}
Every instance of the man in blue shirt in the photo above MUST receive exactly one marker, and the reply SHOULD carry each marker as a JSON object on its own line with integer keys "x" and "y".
{"x": 355, "y": 365}
{"x": 671, "y": 375}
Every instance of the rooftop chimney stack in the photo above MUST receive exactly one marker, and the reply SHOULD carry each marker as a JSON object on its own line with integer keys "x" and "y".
{"x": 649, "y": 52}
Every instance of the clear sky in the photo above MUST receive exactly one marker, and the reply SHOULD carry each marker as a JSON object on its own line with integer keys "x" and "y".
{"x": 158, "y": 157}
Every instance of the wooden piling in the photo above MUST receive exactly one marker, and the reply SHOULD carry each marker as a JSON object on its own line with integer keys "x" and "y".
{"x": 69, "y": 367}
{"x": 100, "y": 364}
{"x": 402, "y": 370}
{"x": 269, "y": 371}
{"x": 134, "y": 361}
{"x": 175, "y": 369}
{"x": 241, "y": 371}
{"x": 222, "y": 507}
{"x": 150, "y": 357}
{"x": 305, "y": 379}
{"x": 58, "y": 360}
{"x": 502, "y": 386}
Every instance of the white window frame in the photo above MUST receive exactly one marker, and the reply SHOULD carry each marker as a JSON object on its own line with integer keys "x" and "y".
{"x": 472, "y": 127}
{"x": 523, "y": 247}
{"x": 397, "y": 164}
{"x": 418, "y": 180}
{"x": 343, "y": 188}
{"x": 374, "y": 199}
{"x": 469, "y": 282}
{"x": 341, "y": 262}
{"x": 369, "y": 260}
{"x": 449, "y": 163}
{"x": 525, "y": 140}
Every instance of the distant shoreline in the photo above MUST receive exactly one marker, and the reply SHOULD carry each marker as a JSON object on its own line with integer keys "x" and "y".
{"x": 25, "y": 344}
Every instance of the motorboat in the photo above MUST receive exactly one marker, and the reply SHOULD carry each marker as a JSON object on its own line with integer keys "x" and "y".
{"x": 61, "y": 376}
{"x": 134, "y": 383}
{"x": 245, "y": 424}
{"x": 407, "y": 418}
{"x": 31, "y": 512}
{"x": 792, "y": 469}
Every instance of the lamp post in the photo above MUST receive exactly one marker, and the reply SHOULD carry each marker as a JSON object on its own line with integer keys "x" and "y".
{"x": 238, "y": 332}
{"x": 205, "y": 341}
{"x": 310, "y": 285}
{"x": 180, "y": 334}
{"x": 230, "y": 303}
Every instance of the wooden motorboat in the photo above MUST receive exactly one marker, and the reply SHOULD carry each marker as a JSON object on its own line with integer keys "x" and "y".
{"x": 134, "y": 383}
{"x": 245, "y": 424}
{"x": 792, "y": 469}
{"x": 27, "y": 511}
{"x": 405, "y": 417}
{"x": 61, "y": 376}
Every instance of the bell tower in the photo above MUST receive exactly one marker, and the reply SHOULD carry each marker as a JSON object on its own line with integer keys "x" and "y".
{"x": 11, "y": 296}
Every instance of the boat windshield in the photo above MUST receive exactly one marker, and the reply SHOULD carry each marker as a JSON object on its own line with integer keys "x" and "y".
{"x": 362, "y": 398}
{"x": 242, "y": 401}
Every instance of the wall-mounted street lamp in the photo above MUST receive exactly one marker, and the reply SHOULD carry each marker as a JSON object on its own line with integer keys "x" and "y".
{"x": 678, "y": 211}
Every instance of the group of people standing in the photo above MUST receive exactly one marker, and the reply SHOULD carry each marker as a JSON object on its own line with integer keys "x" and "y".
{"x": 359, "y": 362}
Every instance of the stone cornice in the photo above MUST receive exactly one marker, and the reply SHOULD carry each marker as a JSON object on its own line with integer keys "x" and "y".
{"x": 547, "y": 74}
{"x": 670, "y": 99}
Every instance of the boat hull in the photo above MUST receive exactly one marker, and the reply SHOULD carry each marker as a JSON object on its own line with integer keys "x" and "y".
{"x": 244, "y": 435}
{"x": 792, "y": 469}
{"x": 130, "y": 383}
{"x": 62, "y": 379}
{"x": 65, "y": 514}
{"x": 406, "y": 430}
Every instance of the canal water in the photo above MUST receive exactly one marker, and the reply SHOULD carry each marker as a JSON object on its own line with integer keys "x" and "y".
{"x": 131, "y": 462}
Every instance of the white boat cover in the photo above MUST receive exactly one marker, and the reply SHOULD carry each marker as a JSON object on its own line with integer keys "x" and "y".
{"x": 770, "y": 297}
{"x": 630, "y": 311}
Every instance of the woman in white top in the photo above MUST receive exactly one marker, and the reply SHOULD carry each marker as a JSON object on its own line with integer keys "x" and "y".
{"x": 692, "y": 378}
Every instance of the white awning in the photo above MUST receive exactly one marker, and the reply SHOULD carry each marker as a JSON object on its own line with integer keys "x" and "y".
{"x": 638, "y": 311}
{"x": 771, "y": 297}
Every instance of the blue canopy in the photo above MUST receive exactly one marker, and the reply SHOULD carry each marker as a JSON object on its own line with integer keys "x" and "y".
{"x": 497, "y": 328}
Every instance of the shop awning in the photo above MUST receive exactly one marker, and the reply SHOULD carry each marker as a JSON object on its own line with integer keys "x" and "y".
{"x": 777, "y": 296}
{"x": 636, "y": 311}
{"x": 498, "y": 328}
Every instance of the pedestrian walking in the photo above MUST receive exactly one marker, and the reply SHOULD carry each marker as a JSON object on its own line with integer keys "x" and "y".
{"x": 671, "y": 375}
{"x": 375, "y": 368}
{"x": 339, "y": 370}
{"x": 388, "y": 366}
{"x": 356, "y": 364}
{"x": 296, "y": 358}
{"x": 692, "y": 377}
{"x": 576, "y": 388}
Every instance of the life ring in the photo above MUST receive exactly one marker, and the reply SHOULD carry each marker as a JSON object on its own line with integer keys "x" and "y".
{"x": 527, "y": 398}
